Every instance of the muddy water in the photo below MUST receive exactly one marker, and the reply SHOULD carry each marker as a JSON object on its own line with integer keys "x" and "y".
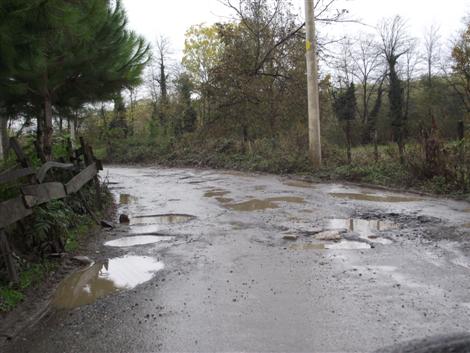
{"x": 374, "y": 198}
{"x": 162, "y": 219}
{"x": 342, "y": 245}
{"x": 263, "y": 204}
{"x": 216, "y": 193}
{"x": 299, "y": 184}
{"x": 137, "y": 240}
{"x": 126, "y": 199}
{"x": 101, "y": 279}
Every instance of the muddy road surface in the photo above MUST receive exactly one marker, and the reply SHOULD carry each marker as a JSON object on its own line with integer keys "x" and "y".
{"x": 222, "y": 261}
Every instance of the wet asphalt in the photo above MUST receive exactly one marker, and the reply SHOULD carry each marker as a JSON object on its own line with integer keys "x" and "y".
{"x": 244, "y": 265}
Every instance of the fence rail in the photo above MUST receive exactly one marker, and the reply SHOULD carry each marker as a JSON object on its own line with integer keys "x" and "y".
{"x": 83, "y": 167}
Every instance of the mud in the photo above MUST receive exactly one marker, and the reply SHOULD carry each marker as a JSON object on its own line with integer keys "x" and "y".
{"x": 374, "y": 198}
{"x": 162, "y": 219}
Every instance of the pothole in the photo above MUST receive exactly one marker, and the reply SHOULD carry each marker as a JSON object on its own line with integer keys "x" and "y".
{"x": 162, "y": 219}
{"x": 366, "y": 229}
{"x": 216, "y": 193}
{"x": 137, "y": 240}
{"x": 126, "y": 199}
{"x": 342, "y": 245}
{"x": 86, "y": 286}
{"x": 259, "y": 204}
{"x": 299, "y": 184}
{"x": 374, "y": 198}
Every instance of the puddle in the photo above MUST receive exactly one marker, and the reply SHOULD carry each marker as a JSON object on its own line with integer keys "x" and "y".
{"x": 162, "y": 219}
{"x": 373, "y": 198}
{"x": 343, "y": 245}
{"x": 137, "y": 240}
{"x": 101, "y": 279}
{"x": 224, "y": 199}
{"x": 257, "y": 204}
{"x": 260, "y": 187}
{"x": 299, "y": 184}
{"x": 216, "y": 193}
{"x": 348, "y": 245}
{"x": 289, "y": 199}
{"x": 252, "y": 205}
{"x": 467, "y": 225}
{"x": 126, "y": 199}
{"x": 367, "y": 229}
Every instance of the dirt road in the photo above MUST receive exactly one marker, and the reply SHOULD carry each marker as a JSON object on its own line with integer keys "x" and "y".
{"x": 220, "y": 261}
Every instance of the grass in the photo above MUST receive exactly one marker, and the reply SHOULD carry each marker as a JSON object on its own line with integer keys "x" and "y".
{"x": 288, "y": 156}
{"x": 34, "y": 274}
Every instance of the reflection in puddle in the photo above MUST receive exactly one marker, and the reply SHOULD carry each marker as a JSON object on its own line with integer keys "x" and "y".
{"x": 257, "y": 204}
{"x": 348, "y": 245}
{"x": 138, "y": 240}
{"x": 299, "y": 184}
{"x": 373, "y": 198}
{"x": 366, "y": 229}
{"x": 86, "y": 286}
{"x": 162, "y": 219}
{"x": 343, "y": 245}
{"x": 125, "y": 199}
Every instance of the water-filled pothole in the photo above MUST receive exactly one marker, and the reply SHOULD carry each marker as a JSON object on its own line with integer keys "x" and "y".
{"x": 216, "y": 193}
{"x": 299, "y": 184}
{"x": 374, "y": 198}
{"x": 126, "y": 199}
{"x": 366, "y": 229}
{"x": 101, "y": 279}
{"x": 342, "y": 245}
{"x": 258, "y": 204}
{"x": 162, "y": 219}
{"x": 137, "y": 240}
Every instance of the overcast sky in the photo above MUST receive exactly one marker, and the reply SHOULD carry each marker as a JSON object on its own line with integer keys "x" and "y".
{"x": 172, "y": 18}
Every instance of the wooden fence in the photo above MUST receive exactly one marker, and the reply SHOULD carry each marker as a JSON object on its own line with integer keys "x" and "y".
{"x": 83, "y": 168}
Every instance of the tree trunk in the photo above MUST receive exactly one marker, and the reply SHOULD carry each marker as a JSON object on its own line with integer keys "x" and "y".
{"x": 3, "y": 136}
{"x": 349, "y": 140}
{"x": 376, "y": 146}
{"x": 48, "y": 129}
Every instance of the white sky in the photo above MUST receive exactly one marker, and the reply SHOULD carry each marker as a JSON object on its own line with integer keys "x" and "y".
{"x": 171, "y": 18}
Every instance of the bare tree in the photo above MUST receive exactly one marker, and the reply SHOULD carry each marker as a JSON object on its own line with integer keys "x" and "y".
{"x": 431, "y": 56}
{"x": 395, "y": 44}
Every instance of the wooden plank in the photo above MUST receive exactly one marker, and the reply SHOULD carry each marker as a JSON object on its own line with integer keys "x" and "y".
{"x": 12, "y": 175}
{"x": 5, "y": 251}
{"x": 12, "y": 211}
{"x": 35, "y": 195}
{"x": 42, "y": 172}
{"x": 81, "y": 179}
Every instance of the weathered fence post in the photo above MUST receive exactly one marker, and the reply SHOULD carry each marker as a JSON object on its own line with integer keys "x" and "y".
{"x": 8, "y": 258}
{"x": 88, "y": 155}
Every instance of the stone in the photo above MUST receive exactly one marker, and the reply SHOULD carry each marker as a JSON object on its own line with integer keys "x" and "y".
{"x": 330, "y": 235}
{"x": 291, "y": 237}
{"x": 124, "y": 219}
{"x": 84, "y": 260}
{"x": 106, "y": 224}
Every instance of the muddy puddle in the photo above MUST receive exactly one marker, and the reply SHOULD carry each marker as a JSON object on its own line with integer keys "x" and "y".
{"x": 162, "y": 219}
{"x": 101, "y": 279}
{"x": 263, "y": 204}
{"x": 299, "y": 184}
{"x": 126, "y": 199}
{"x": 342, "y": 245}
{"x": 137, "y": 240}
{"x": 374, "y": 198}
{"x": 216, "y": 193}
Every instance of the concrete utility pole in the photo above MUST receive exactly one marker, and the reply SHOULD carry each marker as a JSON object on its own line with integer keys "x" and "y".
{"x": 312, "y": 81}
